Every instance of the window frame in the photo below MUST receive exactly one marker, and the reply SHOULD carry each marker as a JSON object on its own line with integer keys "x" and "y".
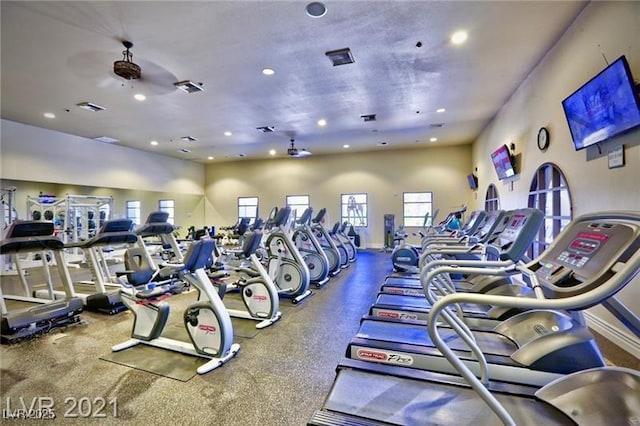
{"x": 419, "y": 217}
{"x": 171, "y": 210}
{"x": 137, "y": 209}
{"x": 549, "y": 183}
{"x": 295, "y": 207}
{"x": 252, "y": 219}
{"x": 491, "y": 198}
{"x": 364, "y": 220}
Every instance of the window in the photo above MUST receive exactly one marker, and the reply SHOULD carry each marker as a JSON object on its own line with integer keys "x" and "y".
{"x": 248, "y": 207}
{"x": 416, "y": 205}
{"x": 298, "y": 204}
{"x": 169, "y": 207}
{"x": 354, "y": 209}
{"x": 133, "y": 211}
{"x": 491, "y": 199}
{"x": 549, "y": 192}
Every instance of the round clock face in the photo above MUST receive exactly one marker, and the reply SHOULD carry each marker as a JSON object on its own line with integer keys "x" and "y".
{"x": 543, "y": 138}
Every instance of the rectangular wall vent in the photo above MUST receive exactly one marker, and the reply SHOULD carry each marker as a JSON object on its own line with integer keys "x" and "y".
{"x": 266, "y": 129}
{"x": 91, "y": 106}
{"x": 368, "y": 117}
{"x": 188, "y": 139}
{"x": 340, "y": 56}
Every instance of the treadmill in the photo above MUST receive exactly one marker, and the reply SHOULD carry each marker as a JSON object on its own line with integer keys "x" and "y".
{"x": 26, "y": 316}
{"x": 494, "y": 223}
{"x": 508, "y": 247}
{"x": 406, "y": 258}
{"x": 101, "y": 293}
{"x": 157, "y": 226}
{"x": 594, "y": 258}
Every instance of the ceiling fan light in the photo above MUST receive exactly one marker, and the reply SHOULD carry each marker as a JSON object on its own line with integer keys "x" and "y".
{"x": 126, "y": 68}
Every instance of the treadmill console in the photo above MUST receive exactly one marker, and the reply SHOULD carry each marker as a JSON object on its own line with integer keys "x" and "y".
{"x": 117, "y": 225}
{"x": 520, "y": 229}
{"x": 583, "y": 255}
{"x": 29, "y": 228}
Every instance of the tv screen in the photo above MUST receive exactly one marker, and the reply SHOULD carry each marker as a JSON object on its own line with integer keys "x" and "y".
{"x": 502, "y": 162}
{"x": 605, "y": 106}
{"x": 473, "y": 181}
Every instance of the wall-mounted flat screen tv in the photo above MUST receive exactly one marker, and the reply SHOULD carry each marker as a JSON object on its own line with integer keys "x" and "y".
{"x": 605, "y": 106}
{"x": 503, "y": 162}
{"x": 473, "y": 181}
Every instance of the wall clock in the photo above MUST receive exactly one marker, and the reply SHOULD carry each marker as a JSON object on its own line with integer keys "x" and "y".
{"x": 543, "y": 138}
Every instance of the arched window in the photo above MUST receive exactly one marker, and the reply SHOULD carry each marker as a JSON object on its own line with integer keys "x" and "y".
{"x": 491, "y": 199}
{"x": 549, "y": 192}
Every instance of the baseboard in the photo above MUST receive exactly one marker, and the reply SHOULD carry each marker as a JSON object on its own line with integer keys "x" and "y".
{"x": 613, "y": 334}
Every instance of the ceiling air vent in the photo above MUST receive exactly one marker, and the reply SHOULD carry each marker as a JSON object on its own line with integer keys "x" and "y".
{"x": 188, "y": 139}
{"x": 436, "y": 125}
{"x": 106, "y": 139}
{"x": 340, "y": 56}
{"x": 189, "y": 86}
{"x": 184, "y": 150}
{"x": 368, "y": 117}
{"x": 266, "y": 129}
{"x": 91, "y": 107}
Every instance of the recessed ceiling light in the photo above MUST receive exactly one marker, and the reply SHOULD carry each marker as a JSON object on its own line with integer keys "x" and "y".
{"x": 322, "y": 122}
{"x": 272, "y": 152}
{"x": 49, "y": 115}
{"x": 139, "y": 97}
{"x": 440, "y": 110}
{"x": 346, "y": 146}
{"x": 459, "y": 37}
{"x": 228, "y": 133}
{"x": 154, "y": 143}
{"x": 268, "y": 71}
{"x": 315, "y": 9}
{"x": 209, "y": 158}
{"x": 433, "y": 139}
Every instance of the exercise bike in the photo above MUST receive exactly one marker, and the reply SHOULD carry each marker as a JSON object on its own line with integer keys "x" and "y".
{"x": 207, "y": 322}
{"x": 259, "y": 293}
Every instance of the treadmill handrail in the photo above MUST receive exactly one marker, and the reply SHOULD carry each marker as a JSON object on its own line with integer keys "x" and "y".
{"x": 625, "y": 273}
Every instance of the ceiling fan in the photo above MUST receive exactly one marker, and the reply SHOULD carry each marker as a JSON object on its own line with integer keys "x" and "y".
{"x": 146, "y": 75}
{"x": 297, "y": 153}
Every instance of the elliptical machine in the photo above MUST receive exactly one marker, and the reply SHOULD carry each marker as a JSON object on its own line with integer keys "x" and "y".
{"x": 336, "y": 260}
{"x": 338, "y": 232}
{"x": 285, "y": 264}
{"x": 207, "y": 321}
{"x": 314, "y": 256}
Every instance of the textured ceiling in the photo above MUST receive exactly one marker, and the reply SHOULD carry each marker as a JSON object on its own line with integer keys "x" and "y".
{"x": 58, "y": 54}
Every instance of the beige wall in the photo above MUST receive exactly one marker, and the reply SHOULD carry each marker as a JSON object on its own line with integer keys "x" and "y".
{"x": 614, "y": 29}
{"x": 383, "y": 175}
{"x": 34, "y": 154}
{"x": 37, "y": 160}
